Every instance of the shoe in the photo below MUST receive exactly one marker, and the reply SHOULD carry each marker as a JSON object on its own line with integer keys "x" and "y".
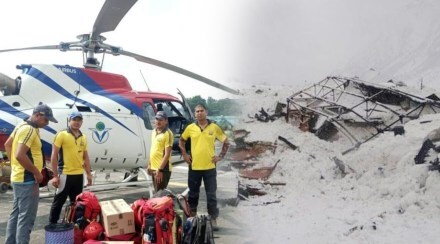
{"x": 193, "y": 214}
{"x": 214, "y": 224}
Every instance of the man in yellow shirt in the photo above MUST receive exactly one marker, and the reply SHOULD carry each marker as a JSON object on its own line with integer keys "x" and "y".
{"x": 159, "y": 165}
{"x": 70, "y": 158}
{"x": 202, "y": 161}
{"x": 24, "y": 150}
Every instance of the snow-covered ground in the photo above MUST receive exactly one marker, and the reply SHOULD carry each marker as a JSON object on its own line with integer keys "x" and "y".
{"x": 384, "y": 198}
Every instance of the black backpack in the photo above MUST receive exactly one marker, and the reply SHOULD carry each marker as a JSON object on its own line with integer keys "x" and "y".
{"x": 198, "y": 230}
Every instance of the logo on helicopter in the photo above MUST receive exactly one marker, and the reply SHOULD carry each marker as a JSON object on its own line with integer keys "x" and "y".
{"x": 67, "y": 70}
{"x": 100, "y": 133}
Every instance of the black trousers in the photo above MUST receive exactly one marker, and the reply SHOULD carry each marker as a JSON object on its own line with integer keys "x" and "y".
{"x": 209, "y": 178}
{"x": 70, "y": 186}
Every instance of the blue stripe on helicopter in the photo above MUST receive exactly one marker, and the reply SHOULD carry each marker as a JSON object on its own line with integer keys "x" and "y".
{"x": 8, "y": 128}
{"x": 17, "y": 113}
{"x": 37, "y": 74}
{"x": 84, "y": 80}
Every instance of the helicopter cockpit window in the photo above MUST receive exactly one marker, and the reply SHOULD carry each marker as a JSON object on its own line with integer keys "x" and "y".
{"x": 17, "y": 82}
{"x": 9, "y": 86}
{"x": 172, "y": 108}
{"x": 148, "y": 115}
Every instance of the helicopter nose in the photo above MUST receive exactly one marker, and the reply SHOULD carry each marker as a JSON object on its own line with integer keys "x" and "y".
{"x": 5, "y": 130}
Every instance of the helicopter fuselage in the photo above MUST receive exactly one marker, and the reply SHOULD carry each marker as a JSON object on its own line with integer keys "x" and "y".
{"x": 118, "y": 121}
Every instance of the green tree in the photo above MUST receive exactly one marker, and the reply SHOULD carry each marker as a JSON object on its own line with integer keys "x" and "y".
{"x": 215, "y": 107}
{"x": 193, "y": 101}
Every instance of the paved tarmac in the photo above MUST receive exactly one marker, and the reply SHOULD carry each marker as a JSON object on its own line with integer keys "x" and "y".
{"x": 230, "y": 225}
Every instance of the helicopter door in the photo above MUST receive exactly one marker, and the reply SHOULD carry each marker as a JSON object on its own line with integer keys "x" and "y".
{"x": 148, "y": 115}
{"x": 187, "y": 107}
{"x": 115, "y": 140}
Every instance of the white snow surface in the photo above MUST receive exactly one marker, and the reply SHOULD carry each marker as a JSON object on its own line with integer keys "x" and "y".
{"x": 384, "y": 198}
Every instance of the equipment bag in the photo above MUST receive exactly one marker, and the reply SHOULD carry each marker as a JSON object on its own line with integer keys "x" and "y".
{"x": 181, "y": 208}
{"x": 181, "y": 205}
{"x": 198, "y": 230}
{"x": 134, "y": 237}
{"x": 137, "y": 208}
{"x": 84, "y": 210}
{"x": 157, "y": 215}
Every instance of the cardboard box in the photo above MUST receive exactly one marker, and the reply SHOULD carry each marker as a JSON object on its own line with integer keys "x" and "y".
{"x": 117, "y": 217}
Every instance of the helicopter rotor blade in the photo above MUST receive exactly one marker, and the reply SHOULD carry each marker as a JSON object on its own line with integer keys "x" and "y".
{"x": 178, "y": 70}
{"x": 50, "y": 47}
{"x": 110, "y": 15}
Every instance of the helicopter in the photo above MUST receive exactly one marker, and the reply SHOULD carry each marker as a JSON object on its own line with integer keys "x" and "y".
{"x": 118, "y": 120}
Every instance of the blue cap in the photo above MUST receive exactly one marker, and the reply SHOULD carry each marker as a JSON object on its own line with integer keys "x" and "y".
{"x": 46, "y": 111}
{"x": 75, "y": 114}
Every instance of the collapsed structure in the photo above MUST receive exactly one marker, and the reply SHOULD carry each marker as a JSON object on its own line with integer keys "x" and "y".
{"x": 357, "y": 109}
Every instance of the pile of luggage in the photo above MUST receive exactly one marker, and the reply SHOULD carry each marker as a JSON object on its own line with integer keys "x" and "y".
{"x": 164, "y": 218}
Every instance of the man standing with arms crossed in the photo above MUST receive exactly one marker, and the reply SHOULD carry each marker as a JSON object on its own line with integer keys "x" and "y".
{"x": 70, "y": 158}
{"x": 159, "y": 166}
{"x": 24, "y": 149}
{"x": 202, "y": 161}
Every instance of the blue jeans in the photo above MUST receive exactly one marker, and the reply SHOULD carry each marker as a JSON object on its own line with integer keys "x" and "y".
{"x": 24, "y": 211}
{"x": 210, "y": 181}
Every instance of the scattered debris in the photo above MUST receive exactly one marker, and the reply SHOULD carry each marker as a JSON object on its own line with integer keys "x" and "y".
{"x": 267, "y": 203}
{"x": 399, "y": 130}
{"x": 247, "y": 190}
{"x": 425, "y": 121}
{"x": 249, "y": 150}
{"x": 258, "y": 173}
{"x": 241, "y": 133}
{"x": 239, "y": 138}
{"x": 423, "y": 153}
{"x": 434, "y": 166}
{"x": 274, "y": 183}
{"x": 372, "y": 223}
{"x": 264, "y": 116}
{"x": 340, "y": 164}
{"x": 287, "y": 142}
{"x": 279, "y": 109}
{"x": 244, "y": 154}
{"x": 275, "y": 145}
{"x": 351, "y": 230}
{"x": 243, "y": 164}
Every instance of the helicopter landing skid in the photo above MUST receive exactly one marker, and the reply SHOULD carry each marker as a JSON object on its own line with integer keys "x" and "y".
{"x": 111, "y": 186}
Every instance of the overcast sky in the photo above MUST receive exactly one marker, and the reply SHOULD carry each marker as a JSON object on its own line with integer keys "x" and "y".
{"x": 300, "y": 40}
{"x": 290, "y": 42}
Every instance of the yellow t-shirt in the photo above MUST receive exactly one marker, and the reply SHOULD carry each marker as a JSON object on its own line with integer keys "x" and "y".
{"x": 160, "y": 141}
{"x": 28, "y": 135}
{"x": 203, "y": 144}
{"x": 71, "y": 156}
